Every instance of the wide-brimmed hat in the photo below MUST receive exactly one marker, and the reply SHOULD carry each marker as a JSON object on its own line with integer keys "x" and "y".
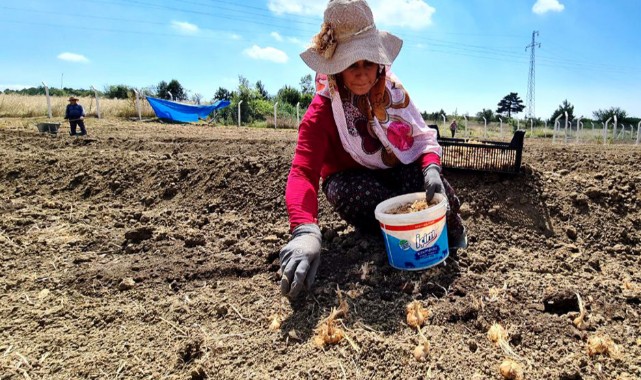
{"x": 348, "y": 35}
{"x": 73, "y": 98}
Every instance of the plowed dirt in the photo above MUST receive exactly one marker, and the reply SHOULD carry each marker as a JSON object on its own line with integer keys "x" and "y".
{"x": 149, "y": 251}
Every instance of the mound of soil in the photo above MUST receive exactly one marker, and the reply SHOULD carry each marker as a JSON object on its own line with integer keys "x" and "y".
{"x": 151, "y": 251}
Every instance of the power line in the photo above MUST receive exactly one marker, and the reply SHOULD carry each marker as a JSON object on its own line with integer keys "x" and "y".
{"x": 437, "y": 45}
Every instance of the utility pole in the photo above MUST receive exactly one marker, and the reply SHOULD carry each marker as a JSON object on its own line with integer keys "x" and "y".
{"x": 530, "y": 83}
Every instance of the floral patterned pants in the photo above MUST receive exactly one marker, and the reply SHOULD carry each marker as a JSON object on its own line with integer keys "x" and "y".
{"x": 354, "y": 194}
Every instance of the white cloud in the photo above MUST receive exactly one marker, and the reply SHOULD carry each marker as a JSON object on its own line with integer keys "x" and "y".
{"x": 276, "y": 36}
{"x": 266, "y": 54}
{"x": 235, "y": 37}
{"x": 412, "y": 14}
{"x": 544, "y": 6}
{"x": 297, "y": 7}
{"x": 185, "y": 27}
{"x": 297, "y": 42}
{"x": 73, "y": 57}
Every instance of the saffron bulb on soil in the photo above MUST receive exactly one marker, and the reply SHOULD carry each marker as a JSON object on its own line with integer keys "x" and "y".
{"x": 603, "y": 344}
{"x": 511, "y": 370}
{"x": 421, "y": 351}
{"x": 275, "y": 323}
{"x": 416, "y": 314}
{"x": 497, "y": 334}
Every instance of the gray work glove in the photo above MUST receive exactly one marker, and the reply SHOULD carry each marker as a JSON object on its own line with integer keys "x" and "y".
{"x": 433, "y": 182}
{"x": 299, "y": 259}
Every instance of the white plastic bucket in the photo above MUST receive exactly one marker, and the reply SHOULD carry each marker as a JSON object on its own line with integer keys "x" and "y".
{"x": 416, "y": 240}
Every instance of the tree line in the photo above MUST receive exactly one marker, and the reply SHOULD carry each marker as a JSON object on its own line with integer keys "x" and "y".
{"x": 256, "y": 104}
{"x": 511, "y": 104}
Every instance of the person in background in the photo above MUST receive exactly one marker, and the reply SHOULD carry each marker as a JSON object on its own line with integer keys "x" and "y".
{"x": 75, "y": 113}
{"x": 453, "y": 127}
{"x": 362, "y": 135}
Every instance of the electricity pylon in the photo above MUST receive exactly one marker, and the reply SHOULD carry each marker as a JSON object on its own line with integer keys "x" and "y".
{"x": 530, "y": 83}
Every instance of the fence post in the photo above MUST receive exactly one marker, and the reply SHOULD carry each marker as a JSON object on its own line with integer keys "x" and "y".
{"x": 578, "y": 128}
{"x": 638, "y": 133}
{"x": 566, "y": 126}
{"x": 275, "y": 109}
{"x": 138, "y": 104}
{"x": 531, "y": 128}
{"x": 614, "y": 130}
{"x": 239, "y": 103}
{"x": 95, "y": 92}
{"x": 297, "y": 114}
{"x": 171, "y": 96}
{"x": 485, "y": 127}
{"x": 467, "y": 131}
{"x": 48, "y": 99}
{"x": 621, "y": 134}
{"x": 501, "y": 127}
{"x": 605, "y": 130}
{"x": 557, "y": 125}
{"x": 518, "y": 124}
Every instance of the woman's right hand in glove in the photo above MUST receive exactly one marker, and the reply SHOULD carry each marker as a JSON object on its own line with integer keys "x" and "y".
{"x": 299, "y": 259}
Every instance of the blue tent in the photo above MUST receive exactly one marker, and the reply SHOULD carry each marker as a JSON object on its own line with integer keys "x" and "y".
{"x": 185, "y": 113}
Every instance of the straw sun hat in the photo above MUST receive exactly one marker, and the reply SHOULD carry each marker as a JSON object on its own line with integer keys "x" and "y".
{"x": 71, "y": 98}
{"x": 348, "y": 35}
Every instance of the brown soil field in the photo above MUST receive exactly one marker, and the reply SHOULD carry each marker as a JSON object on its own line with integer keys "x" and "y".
{"x": 150, "y": 251}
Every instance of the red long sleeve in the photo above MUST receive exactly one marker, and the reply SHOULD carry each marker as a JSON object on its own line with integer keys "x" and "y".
{"x": 319, "y": 153}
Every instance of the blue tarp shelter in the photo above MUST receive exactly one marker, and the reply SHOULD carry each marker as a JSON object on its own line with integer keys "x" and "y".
{"x": 185, "y": 113}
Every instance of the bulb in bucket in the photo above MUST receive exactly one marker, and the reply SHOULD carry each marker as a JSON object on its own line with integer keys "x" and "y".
{"x": 414, "y": 240}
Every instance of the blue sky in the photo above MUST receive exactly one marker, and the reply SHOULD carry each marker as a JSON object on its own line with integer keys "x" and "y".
{"x": 460, "y": 56}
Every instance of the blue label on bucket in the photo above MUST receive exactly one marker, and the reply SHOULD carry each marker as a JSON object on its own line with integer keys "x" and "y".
{"x": 417, "y": 249}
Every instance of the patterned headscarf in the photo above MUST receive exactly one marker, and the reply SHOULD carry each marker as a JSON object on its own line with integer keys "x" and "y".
{"x": 382, "y": 128}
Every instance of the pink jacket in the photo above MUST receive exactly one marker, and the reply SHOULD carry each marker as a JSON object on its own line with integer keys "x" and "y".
{"x": 319, "y": 154}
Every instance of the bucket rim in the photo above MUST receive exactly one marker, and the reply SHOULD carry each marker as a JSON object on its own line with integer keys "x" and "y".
{"x": 412, "y": 217}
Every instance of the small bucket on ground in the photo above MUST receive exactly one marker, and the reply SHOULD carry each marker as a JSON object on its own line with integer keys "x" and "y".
{"x": 415, "y": 240}
{"x": 48, "y": 128}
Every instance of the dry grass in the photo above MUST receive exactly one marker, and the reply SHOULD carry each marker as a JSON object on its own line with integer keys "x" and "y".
{"x": 13, "y": 105}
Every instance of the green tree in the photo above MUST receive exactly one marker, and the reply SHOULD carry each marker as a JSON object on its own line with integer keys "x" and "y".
{"x": 604, "y": 115}
{"x": 32, "y": 91}
{"x": 119, "y": 91}
{"x": 222, "y": 94}
{"x": 563, "y": 107}
{"x": 306, "y": 100}
{"x": 226, "y": 115}
{"x": 176, "y": 89}
{"x": 433, "y": 116}
{"x": 254, "y": 106}
{"x": 161, "y": 90}
{"x": 510, "y": 104}
{"x": 307, "y": 85}
{"x": 260, "y": 87}
{"x": 487, "y": 114}
{"x": 289, "y": 95}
